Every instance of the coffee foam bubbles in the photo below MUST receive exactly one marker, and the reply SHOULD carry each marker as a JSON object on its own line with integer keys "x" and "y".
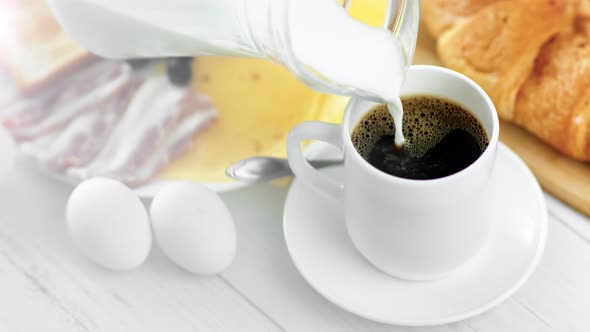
{"x": 427, "y": 120}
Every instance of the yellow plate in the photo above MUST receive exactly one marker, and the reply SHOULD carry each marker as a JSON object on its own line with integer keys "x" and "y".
{"x": 258, "y": 103}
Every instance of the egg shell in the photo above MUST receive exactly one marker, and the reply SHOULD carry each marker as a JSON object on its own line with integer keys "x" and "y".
{"x": 109, "y": 224}
{"x": 194, "y": 228}
{"x": 7, "y": 152}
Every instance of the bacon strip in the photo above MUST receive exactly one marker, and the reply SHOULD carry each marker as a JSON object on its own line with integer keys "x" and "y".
{"x": 84, "y": 137}
{"x": 56, "y": 110}
{"x": 108, "y": 121}
{"x": 150, "y": 126}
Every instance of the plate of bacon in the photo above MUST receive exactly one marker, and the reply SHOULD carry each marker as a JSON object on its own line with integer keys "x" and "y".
{"x": 107, "y": 120}
{"x": 142, "y": 122}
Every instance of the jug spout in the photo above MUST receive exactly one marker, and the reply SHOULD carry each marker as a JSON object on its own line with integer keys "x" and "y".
{"x": 337, "y": 54}
{"x": 404, "y": 21}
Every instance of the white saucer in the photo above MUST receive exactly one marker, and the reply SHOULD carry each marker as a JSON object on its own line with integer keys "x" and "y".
{"x": 322, "y": 252}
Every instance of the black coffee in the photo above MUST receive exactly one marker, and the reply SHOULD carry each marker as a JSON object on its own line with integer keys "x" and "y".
{"x": 442, "y": 138}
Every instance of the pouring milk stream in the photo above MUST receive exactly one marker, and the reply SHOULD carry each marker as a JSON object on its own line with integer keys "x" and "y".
{"x": 316, "y": 40}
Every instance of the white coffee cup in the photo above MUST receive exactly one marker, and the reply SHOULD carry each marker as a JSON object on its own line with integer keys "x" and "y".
{"x": 411, "y": 229}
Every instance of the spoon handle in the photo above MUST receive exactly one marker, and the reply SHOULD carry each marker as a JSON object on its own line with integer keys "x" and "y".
{"x": 263, "y": 169}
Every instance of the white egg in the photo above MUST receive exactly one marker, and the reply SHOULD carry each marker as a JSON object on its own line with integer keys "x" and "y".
{"x": 7, "y": 152}
{"x": 109, "y": 224}
{"x": 194, "y": 228}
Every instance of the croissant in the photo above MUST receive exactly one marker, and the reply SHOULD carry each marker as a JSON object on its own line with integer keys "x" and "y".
{"x": 531, "y": 56}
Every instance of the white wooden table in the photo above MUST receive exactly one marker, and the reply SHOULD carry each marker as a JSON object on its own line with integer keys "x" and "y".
{"x": 45, "y": 285}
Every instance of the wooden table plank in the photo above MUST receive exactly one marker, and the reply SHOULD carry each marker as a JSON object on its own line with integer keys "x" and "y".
{"x": 45, "y": 285}
{"x": 42, "y": 276}
{"x": 267, "y": 276}
{"x": 559, "y": 291}
{"x": 578, "y": 223}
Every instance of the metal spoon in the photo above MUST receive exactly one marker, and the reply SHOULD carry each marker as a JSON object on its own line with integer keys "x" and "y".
{"x": 263, "y": 169}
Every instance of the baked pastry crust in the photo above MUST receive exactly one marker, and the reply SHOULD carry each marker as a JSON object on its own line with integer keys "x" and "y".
{"x": 531, "y": 56}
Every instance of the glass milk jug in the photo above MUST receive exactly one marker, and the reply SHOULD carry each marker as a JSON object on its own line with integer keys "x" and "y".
{"x": 315, "y": 39}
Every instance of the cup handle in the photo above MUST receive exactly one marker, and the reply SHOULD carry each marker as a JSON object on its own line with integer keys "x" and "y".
{"x": 321, "y": 131}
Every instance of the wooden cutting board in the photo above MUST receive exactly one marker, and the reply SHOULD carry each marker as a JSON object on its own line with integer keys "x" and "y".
{"x": 565, "y": 178}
